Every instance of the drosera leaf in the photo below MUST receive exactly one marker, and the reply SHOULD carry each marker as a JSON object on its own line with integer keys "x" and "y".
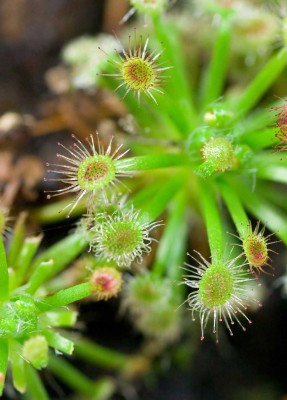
{"x": 65, "y": 297}
{"x": 4, "y": 277}
{"x": 17, "y": 366}
{"x": 3, "y": 363}
{"x": 36, "y": 389}
{"x": 62, "y": 253}
{"x": 17, "y": 240}
{"x": 58, "y": 342}
{"x": 59, "y": 318}
{"x": 99, "y": 390}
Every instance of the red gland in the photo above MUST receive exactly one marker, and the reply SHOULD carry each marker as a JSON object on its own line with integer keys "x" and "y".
{"x": 107, "y": 282}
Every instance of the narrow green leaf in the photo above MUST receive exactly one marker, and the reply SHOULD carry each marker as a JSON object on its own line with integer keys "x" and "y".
{"x": 154, "y": 161}
{"x": 65, "y": 297}
{"x": 170, "y": 252}
{"x": 17, "y": 366}
{"x": 262, "y": 81}
{"x": 4, "y": 277}
{"x": 35, "y": 387}
{"x": 17, "y": 240}
{"x": 3, "y": 363}
{"x": 60, "y": 254}
{"x": 59, "y": 318}
{"x": 215, "y": 77}
{"x": 99, "y": 355}
{"x": 157, "y": 204}
{"x": 22, "y": 264}
{"x": 58, "y": 342}
{"x": 236, "y": 210}
{"x": 101, "y": 390}
{"x": 213, "y": 222}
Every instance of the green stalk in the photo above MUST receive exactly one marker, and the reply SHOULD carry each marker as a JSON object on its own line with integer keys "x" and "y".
{"x": 36, "y": 389}
{"x": 17, "y": 366}
{"x": 65, "y": 297}
{"x": 213, "y": 223}
{"x": 274, "y": 158}
{"x": 261, "y": 83}
{"x": 271, "y": 216}
{"x": 100, "y": 390}
{"x": 275, "y": 173}
{"x": 148, "y": 116}
{"x": 178, "y": 85}
{"x": 171, "y": 252}
{"x": 28, "y": 251}
{"x": 59, "y": 318}
{"x": 145, "y": 194}
{"x": 154, "y": 161}
{"x": 52, "y": 213}
{"x": 39, "y": 276}
{"x": 4, "y": 277}
{"x": 3, "y": 363}
{"x": 257, "y": 120}
{"x": 215, "y": 77}
{"x": 55, "y": 259}
{"x": 99, "y": 355}
{"x": 260, "y": 139}
{"x": 236, "y": 210}
{"x": 158, "y": 203}
{"x": 17, "y": 240}
{"x": 272, "y": 193}
{"x": 58, "y": 342}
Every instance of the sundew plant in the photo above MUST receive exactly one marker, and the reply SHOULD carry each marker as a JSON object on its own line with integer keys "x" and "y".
{"x": 203, "y": 156}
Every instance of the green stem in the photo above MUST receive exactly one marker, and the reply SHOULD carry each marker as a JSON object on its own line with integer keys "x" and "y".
{"x": 178, "y": 85}
{"x": 275, "y": 173}
{"x": 257, "y": 120}
{"x": 170, "y": 252}
{"x": 3, "y": 363}
{"x": 158, "y": 203}
{"x": 154, "y": 161}
{"x": 99, "y": 355}
{"x": 39, "y": 276}
{"x": 263, "y": 80}
{"x": 272, "y": 193}
{"x": 143, "y": 196}
{"x": 4, "y": 277}
{"x": 216, "y": 73}
{"x": 17, "y": 240}
{"x": 65, "y": 297}
{"x": 266, "y": 212}
{"x": 17, "y": 366}
{"x": 55, "y": 259}
{"x": 51, "y": 213}
{"x": 212, "y": 219}
{"x": 36, "y": 389}
{"x": 28, "y": 251}
{"x": 260, "y": 139}
{"x": 100, "y": 390}
{"x": 274, "y": 158}
{"x": 58, "y": 318}
{"x": 236, "y": 210}
{"x": 58, "y": 342}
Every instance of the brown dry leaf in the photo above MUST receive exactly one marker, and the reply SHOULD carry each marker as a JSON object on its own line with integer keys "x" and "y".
{"x": 6, "y": 167}
{"x": 30, "y": 170}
